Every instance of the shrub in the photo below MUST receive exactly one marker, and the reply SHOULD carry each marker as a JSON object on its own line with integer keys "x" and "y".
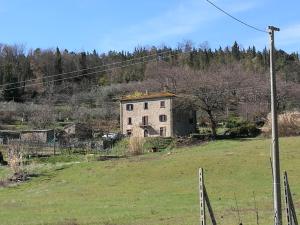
{"x": 233, "y": 122}
{"x": 241, "y": 128}
{"x": 158, "y": 143}
{"x": 288, "y": 124}
{"x": 121, "y": 147}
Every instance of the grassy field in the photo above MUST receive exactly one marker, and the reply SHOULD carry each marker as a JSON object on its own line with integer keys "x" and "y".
{"x": 155, "y": 189}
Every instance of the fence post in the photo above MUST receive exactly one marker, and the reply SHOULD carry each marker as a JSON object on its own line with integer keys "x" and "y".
{"x": 291, "y": 215}
{"x": 54, "y": 150}
{"x": 201, "y": 197}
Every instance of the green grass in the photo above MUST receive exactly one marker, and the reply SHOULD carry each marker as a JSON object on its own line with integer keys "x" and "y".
{"x": 155, "y": 189}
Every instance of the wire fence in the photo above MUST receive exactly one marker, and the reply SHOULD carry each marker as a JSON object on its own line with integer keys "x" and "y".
{"x": 39, "y": 148}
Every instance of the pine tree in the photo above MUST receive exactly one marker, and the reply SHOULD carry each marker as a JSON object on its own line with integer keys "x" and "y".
{"x": 58, "y": 66}
{"x": 11, "y": 90}
{"x": 235, "y": 51}
{"x": 83, "y": 65}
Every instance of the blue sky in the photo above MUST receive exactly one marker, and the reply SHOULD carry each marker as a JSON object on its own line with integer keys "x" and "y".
{"x": 105, "y": 25}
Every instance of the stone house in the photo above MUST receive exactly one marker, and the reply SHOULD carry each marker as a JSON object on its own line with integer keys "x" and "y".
{"x": 41, "y": 136}
{"x": 78, "y": 130}
{"x": 6, "y": 135}
{"x": 155, "y": 114}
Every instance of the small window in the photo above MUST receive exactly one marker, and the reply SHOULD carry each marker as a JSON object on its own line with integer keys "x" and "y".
{"x": 162, "y": 104}
{"x": 145, "y": 105}
{"x": 129, "y": 132}
{"x": 129, "y": 107}
{"x": 129, "y": 121}
{"x": 145, "y": 120}
{"x": 162, "y": 118}
{"x": 162, "y": 131}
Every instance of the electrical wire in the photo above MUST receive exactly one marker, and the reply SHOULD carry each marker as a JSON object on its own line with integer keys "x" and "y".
{"x": 233, "y": 17}
{"x": 90, "y": 68}
{"x": 80, "y": 75}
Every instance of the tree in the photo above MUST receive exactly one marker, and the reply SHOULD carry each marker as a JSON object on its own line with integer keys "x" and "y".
{"x": 11, "y": 90}
{"x": 235, "y": 51}
{"x": 58, "y": 66}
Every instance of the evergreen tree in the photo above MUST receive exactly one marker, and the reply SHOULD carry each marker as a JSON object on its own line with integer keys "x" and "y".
{"x": 235, "y": 51}
{"x": 58, "y": 66}
{"x": 58, "y": 62}
{"x": 82, "y": 66}
{"x": 11, "y": 90}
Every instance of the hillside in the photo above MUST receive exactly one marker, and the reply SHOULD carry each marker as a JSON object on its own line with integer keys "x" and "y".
{"x": 155, "y": 189}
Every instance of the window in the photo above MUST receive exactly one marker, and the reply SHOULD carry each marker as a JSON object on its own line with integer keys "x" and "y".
{"x": 162, "y": 104}
{"x": 162, "y": 118}
{"x": 191, "y": 120}
{"x": 162, "y": 131}
{"x": 129, "y": 132}
{"x": 129, "y": 107}
{"x": 145, "y": 120}
{"x": 145, "y": 105}
{"x": 129, "y": 121}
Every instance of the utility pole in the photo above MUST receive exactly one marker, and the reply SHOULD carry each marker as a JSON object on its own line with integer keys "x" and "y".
{"x": 275, "y": 142}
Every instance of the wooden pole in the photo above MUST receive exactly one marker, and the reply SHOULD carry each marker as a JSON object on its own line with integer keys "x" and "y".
{"x": 210, "y": 210}
{"x": 290, "y": 209}
{"x": 275, "y": 142}
{"x": 202, "y": 198}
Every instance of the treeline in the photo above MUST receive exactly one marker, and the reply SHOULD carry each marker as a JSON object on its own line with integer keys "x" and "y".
{"x": 29, "y": 74}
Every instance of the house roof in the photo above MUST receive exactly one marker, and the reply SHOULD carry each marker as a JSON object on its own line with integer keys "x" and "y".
{"x": 69, "y": 125}
{"x": 140, "y": 95}
{"x": 36, "y": 131}
{"x": 80, "y": 125}
{"x": 10, "y": 131}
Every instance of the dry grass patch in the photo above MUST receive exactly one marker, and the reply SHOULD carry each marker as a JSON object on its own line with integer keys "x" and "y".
{"x": 136, "y": 145}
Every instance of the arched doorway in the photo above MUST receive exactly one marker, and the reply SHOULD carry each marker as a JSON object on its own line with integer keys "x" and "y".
{"x": 146, "y": 133}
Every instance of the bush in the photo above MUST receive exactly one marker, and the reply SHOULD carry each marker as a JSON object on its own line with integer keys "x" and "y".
{"x": 288, "y": 124}
{"x": 234, "y": 122}
{"x": 241, "y": 128}
{"x": 158, "y": 143}
{"x": 138, "y": 145}
{"x": 121, "y": 147}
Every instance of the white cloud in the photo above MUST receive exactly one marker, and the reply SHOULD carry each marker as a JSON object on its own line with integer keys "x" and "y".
{"x": 185, "y": 18}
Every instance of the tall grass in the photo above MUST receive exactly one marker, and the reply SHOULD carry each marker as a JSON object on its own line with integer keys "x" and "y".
{"x": 15, "y": 159}
{"x": 136, "y": 145}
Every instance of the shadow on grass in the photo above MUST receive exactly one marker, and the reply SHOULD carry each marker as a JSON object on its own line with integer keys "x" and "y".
{"x": 110, "y": 157}
{"x": 240, "y": 139}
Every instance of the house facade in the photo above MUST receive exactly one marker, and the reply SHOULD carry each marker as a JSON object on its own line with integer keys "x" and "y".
{"x": 153, "y": 115}
{"x": 41, "y": 136}
{"x": 78, "y": 130}
{"x": 6, "y": 135}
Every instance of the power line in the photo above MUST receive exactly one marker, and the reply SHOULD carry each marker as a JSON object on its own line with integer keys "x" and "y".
{"x": 258, "y": 88}
{"x": 238, "y": 20}
{"x": 90, "y": 68}
{"x": 80, "y": 75}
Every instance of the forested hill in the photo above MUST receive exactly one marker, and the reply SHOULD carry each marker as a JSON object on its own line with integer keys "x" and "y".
{"x": 27, "y": 74}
